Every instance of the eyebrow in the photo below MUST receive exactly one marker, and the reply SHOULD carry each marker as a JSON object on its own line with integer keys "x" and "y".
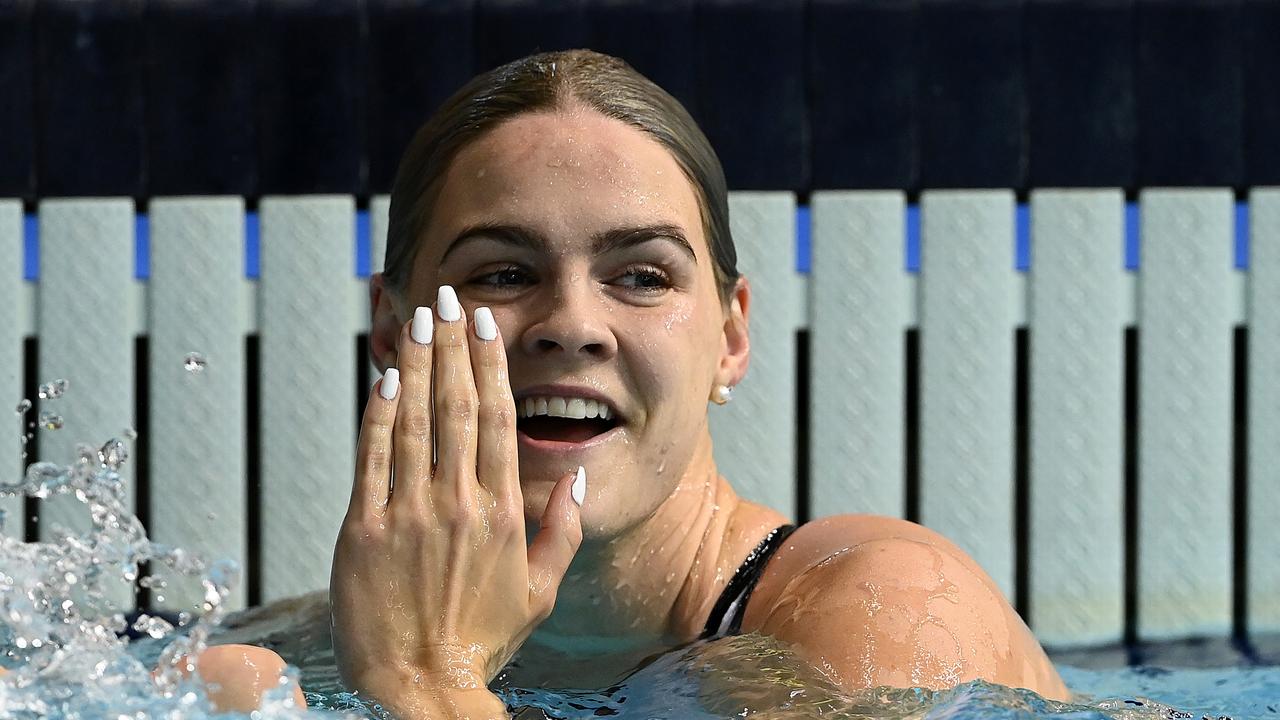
{"x": 602, "y": 242}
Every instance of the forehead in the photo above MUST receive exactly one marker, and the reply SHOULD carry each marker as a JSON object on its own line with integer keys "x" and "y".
{"x": 568, "y": 174}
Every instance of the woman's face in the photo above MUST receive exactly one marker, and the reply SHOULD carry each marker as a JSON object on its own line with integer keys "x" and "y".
{"x": 584, "y": 237}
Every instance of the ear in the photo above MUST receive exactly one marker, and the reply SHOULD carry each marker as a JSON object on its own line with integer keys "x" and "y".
{"x": 385, "y": 323}
{"x": 736, "y": 353}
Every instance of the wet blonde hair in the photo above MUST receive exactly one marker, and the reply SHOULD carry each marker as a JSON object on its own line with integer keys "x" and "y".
{"x": 543, "y": 82}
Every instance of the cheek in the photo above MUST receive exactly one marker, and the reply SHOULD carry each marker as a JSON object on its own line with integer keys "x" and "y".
{"x": 676, "y": 351}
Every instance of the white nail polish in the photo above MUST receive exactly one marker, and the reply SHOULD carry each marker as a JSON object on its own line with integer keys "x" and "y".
{"x": 447, "y": 304}
{"x": 580, "y": 486}
{"x": 390, "y": 384}
{"x": 486, "y": 328}
{"x": 422, "y": 327}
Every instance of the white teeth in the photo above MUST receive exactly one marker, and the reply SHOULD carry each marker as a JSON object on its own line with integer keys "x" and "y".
{"x": 565, "y": 407}
{"x": 558, "y": 407}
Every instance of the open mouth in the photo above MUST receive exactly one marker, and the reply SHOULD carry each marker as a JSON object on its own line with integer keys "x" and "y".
{"x": 565, "y": 420}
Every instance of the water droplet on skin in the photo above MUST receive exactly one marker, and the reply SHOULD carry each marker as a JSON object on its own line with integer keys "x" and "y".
{"x": 23, "y": 406}
{"x": 194, "y": 363}
{"x": 50, "y": 420}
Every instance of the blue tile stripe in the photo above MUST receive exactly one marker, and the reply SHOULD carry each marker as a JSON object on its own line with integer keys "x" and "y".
{"x": 911, "y": 245}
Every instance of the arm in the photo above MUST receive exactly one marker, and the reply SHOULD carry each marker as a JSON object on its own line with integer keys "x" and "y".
{"x": 901, "y": 606}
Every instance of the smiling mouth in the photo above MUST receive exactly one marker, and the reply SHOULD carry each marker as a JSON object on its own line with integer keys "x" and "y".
{"x": 560, "y": 419}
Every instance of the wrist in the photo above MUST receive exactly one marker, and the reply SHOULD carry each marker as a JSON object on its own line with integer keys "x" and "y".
{"x": 423, "y": 703}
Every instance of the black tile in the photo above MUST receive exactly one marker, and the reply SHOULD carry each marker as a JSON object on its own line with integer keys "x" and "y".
{"x": 656, "y": 37}
{"x": 200, "y": 97}
{"x": 971, "y": 102}
{"x": 1261, "y": 98}
{"x": 1189, "y": 90}
{"x": 420, "y": 52}
{"x": 751, "y": 91}
{"x": 17, "y": 86}
{"x": 511, "y": 29}
{"x": 862, "y": 70}
{"x": 89, "y": 98}
{"x": 1081, "y": 109}
{"x": 310, "y": 94}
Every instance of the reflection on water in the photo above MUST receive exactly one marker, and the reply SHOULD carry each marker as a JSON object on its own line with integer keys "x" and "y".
{"x": 61, "y": 637}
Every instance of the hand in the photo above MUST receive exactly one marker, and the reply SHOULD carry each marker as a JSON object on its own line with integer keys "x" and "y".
{"x": 433, "y": 586}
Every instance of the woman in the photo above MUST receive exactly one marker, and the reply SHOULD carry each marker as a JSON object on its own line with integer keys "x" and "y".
{"x": 559, "y": 261}
{"x": 559, "y": 248}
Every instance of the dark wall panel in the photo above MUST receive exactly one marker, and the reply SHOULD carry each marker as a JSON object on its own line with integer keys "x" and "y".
{"x": 751, "y": 97}
{"x": 971, "y": 101}
{"x": 200, "y": 97}
{"x": 17, "y": 121}
{"x": 1080, "y": 93}
{"x": 862, "y": 75}
{"x": 511, "y": 29}
{"x": 1262, "y": 98}
{"x": 420, "y": 52}
{"x": 89, "y": 98}
{"x": 1189, "y": 89}
{"x": 656, "y": 37}
{"x": 311, "y": 97}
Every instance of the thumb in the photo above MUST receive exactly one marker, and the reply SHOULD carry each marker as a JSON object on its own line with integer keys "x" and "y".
{"x": 560, "y": 534}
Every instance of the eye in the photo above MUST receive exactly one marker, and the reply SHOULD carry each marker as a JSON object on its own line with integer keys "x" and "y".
{"x": 644, "y": 278}
{"x": 511, "y": 276}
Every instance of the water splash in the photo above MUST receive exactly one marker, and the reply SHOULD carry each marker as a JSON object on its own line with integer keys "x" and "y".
{"x": 194, "y": 363}
{"x": 54, "y": 389}
{"x": 50, "y": 420}
{"x": 61, "y": 634}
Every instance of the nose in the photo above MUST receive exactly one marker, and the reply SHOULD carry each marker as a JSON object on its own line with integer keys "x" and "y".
{"x": 574, "y": 321}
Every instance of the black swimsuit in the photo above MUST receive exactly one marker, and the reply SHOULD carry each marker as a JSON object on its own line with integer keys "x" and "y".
{"x": 726, "y": 616}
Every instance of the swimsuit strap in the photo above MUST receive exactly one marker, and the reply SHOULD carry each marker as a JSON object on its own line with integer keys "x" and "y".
{"x": 726, "y": 615}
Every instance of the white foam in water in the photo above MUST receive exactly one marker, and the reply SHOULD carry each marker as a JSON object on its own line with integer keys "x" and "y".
{"x": 60, "y": 638}
{"x": 59, "y": 634}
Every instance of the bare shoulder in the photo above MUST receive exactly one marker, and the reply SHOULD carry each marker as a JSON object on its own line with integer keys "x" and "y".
{"x": 873, "y": 601}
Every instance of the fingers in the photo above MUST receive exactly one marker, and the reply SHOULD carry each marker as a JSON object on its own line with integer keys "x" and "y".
{"x": 496, "y": 420}
{"x": 557, "y": 540}
{"x": 373, "y": 452}
{"x": 412, "y": 438}
{"x": 456, "y": 402}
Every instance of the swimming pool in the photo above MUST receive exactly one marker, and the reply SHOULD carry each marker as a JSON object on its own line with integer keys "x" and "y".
{"x": 59, "y": 634}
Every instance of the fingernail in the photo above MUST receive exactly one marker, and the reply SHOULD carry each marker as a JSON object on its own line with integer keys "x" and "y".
{"x": 447, "y": 304}
{"x": 422, "y": 327}
{"x": 390, "y": 384}
{"x": 486, "y": 328}
{"x": 580, "y": 486}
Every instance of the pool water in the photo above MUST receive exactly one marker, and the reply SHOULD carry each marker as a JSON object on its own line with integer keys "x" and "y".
{"x": 60, "y": 636}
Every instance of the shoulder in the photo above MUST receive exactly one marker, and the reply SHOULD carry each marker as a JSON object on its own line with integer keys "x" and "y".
{"x": 824, "y": 542}
{"x": 880, "y": 601}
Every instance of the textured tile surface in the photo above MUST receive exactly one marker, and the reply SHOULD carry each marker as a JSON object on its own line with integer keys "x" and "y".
{"x": 1185, "y": 414}
{"x": 1264, "y": 413}
{"x": 859, "y": 316}
{"x": 1077, "y": 413}
{"x": 308, "y": 386}
{"x": 197, "y": 445}
{"x": 966, "y": 374}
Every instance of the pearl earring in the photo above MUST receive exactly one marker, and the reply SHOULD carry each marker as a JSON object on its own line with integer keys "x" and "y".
{"x": 722, "y": 394}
